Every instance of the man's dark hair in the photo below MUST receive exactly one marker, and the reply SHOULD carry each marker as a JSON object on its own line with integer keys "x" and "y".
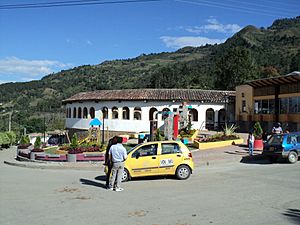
{"x": 119, "y": 139}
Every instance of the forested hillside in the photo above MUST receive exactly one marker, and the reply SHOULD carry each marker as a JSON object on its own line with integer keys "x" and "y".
{"x": 250, "y": 54}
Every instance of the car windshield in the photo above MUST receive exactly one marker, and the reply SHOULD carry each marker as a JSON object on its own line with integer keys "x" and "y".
{"x": 131, "y": 149}
{"x": 275, "y": 139}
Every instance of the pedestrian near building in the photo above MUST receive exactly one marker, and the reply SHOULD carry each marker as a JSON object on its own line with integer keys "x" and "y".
{"x": 117, "y": 155}
{"x": 108, "y": 162}
{"x": 251, "y": 143}
{"x": 277, "y": 129}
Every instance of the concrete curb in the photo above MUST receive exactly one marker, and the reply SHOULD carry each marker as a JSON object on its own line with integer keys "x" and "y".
{"x": 33, "y": 165}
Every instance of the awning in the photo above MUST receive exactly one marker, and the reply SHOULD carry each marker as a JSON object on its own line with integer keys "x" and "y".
{"x": 293, "y": 77}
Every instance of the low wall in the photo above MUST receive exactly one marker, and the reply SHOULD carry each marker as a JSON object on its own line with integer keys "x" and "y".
{"x": 217, "y": 144}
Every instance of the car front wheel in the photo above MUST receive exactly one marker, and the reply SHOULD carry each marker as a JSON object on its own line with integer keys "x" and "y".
{"x": 183, "y": 172}
{"x": 293, "y": 157}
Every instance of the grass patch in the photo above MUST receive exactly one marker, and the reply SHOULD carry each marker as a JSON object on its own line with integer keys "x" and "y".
{"x": 51, "y": 149}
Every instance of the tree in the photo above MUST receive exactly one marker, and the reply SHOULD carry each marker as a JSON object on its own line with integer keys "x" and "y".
{"x": 295, "y": 63}
{"x": 268, "y": 71}
{"x": 234, "y": 68}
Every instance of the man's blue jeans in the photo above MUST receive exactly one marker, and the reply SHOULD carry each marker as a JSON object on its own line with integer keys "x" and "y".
{"x": 250, "y": 148}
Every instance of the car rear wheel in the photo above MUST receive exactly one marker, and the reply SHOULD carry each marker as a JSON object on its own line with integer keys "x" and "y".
{"x": 125, "y": 175}
{"x": 293, "y": 157}
{"x": 183, "y": 172}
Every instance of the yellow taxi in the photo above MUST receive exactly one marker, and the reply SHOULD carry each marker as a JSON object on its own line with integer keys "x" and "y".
{"x": 159, "y": 158}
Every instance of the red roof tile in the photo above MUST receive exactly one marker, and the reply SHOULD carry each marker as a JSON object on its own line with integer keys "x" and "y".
{"x": 152, "y": 94}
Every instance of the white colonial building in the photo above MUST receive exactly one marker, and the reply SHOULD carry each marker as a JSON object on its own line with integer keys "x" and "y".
{"x": 131, "y": 110}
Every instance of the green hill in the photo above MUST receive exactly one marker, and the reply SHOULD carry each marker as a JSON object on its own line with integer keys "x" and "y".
{"x": 249, "y": 54}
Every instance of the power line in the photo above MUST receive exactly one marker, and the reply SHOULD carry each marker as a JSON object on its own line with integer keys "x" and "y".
{"x": 70, "y": 3}
{"x": 230, "y": 7}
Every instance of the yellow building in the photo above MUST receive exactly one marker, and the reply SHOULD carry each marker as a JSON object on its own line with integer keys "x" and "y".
{"x": 268, "y": 101}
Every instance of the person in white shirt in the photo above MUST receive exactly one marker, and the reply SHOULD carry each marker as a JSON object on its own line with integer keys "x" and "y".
{"x": 251, "y": 143}
{"x": 117, "y": 155}
{"x": 277, "y": 129}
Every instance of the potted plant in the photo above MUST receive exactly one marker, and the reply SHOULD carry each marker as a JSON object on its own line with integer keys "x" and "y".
{"x": 258, "y": 132}
{"x": 72, "y": 151}
{"x": 37, "y": 148}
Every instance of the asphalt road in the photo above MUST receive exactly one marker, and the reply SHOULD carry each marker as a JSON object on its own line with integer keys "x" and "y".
{"x": 224, "y": 193}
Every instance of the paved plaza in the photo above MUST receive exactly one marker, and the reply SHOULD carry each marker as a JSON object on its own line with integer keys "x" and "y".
{"x": 227, "y": 187}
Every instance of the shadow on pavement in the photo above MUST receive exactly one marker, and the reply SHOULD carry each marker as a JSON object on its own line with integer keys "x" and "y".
{"x": 255, "y": 159}
{"x": 92, "y": 183}
{"x": 102, "y": 178}
{"x": 293, "y": 215}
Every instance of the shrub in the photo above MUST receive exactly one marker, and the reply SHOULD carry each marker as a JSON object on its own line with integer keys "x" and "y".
{"x": 75, "y": 151}
{"x": 229, "y": 130}
{"x": 12, "y": 137}
{"x": 257, "y": 131}
{"x": 4, "y": 140}
{"x": 74, "y": 142}
{"x": 37, "y": 143}
{"x": 25, "y": 140}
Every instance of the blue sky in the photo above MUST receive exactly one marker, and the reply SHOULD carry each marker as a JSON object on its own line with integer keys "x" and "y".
{"x": 36, "y": 42}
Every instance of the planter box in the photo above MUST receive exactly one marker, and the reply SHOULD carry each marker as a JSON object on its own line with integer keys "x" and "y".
{"x": 72, "y": 157}
{"x": 217, "y": 144}
{"x": 258, "y": 144}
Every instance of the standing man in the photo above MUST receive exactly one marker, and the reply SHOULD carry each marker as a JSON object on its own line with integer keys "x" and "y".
{"x": 117, "y": 154}
{"x": 108, "y": 162}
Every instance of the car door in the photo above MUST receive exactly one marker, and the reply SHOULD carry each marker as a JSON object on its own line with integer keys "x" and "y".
{"x": 144, "y": 161}
{"x": 170, "y": 157}
{"x": 293, "y": 142}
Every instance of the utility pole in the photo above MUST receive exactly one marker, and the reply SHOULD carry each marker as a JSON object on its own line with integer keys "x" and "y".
{"x": 9, "y": 121}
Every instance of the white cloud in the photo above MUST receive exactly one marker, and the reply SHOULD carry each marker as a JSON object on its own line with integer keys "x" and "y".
{"x": 31, "y": 68}
{"x": 215, "y": 25}
{"x": 180, "y": 42}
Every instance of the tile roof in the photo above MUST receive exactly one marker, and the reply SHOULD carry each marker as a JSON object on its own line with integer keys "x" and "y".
{"x": 152, "y": 94}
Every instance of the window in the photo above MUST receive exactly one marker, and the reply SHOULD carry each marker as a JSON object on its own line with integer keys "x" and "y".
{"x": 146, "y": 150}
{"x": 210, "y": 115}
{"x": 79, "y": 112}
{"x": 151, "y": 114}
{"x": 125, "y": 113}
{"x": 194, "y": 114}
{"x": 265, "y": 106}
{"x": 74, "y": 112}
{"x": 105, "y": 113}
{"x": 85, "y": 113}
{"x": 271, "y": 106}
{"x": 293, "y": 104}
{"x": 243, "y": 94}
{"x": 137, "y": 115}
{"x": 170, "y": 149}
{"x": 70, "y": 112}
{"x": 92, "y": 112}
{"x": 115, "y": 113}
{"x": 256, "y": 109}
{"x": 293, "y": 139}
{"x": 283, "y": 105}
{"x": 244, "y": 106}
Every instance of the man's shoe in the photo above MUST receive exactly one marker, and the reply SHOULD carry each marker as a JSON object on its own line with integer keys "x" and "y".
{"x": 119, "y": 189}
